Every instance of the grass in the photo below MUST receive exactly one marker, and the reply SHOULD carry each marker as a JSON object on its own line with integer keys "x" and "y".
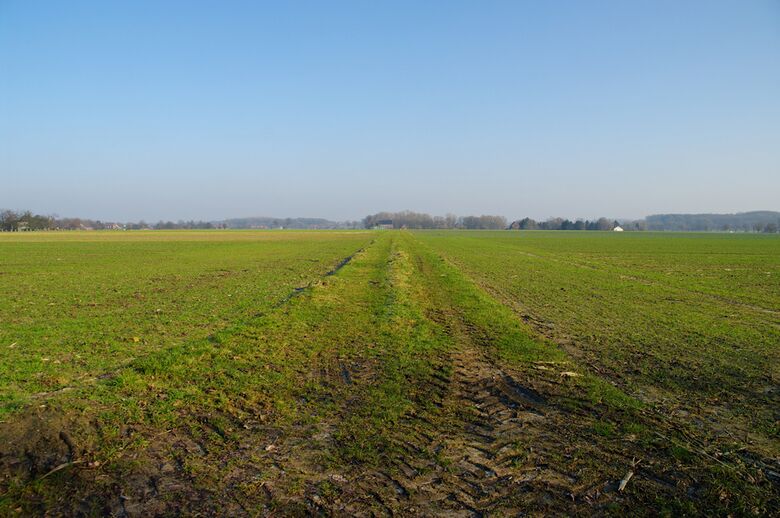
{"x": 243, "y": 371}
{"x": 77, "y": 305}
{"x": 689, "y": 319}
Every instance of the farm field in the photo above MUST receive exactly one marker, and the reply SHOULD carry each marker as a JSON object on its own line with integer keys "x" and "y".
{"x": 76, "y": 305}
{"x": 389, "y": 372}
{"x": 686, "y": 322}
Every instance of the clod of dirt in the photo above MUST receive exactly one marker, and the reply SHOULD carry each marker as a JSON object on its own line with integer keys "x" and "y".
{"x": 34, "y": 444}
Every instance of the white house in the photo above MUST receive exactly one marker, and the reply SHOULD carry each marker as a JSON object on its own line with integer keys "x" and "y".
{"x": 618, "y": 229}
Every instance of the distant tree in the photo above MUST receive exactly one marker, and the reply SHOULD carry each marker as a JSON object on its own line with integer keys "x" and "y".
{"x": 484, "y": 222}
{"x": 8, "y": 220}
{"x": 470, "y": 222}
{"x": 450, "y": 220}
{"x": 552, "y": 224}
{"x": 39, "y": 222}
{"x": 604, "y": 224}
{"x": 528, "y": 224}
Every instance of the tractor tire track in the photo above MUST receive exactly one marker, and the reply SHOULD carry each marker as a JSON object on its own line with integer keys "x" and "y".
{"x": 480, "y": 455}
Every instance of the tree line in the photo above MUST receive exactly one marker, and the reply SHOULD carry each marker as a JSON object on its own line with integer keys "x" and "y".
{"x": 13, "y": 221}
{"x": 566, "y": 224}
{"x": 420, "y": 220}
{"x": 290, "y": 223}
{"x": 758, "y": 221}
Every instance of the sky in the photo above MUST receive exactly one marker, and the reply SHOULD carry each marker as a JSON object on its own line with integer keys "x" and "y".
{"x": 208, "y": 110}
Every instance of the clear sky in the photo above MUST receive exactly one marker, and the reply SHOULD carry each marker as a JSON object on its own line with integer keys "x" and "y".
{"x": 195, "y": 109}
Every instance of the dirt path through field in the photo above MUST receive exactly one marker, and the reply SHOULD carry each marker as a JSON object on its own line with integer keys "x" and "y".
{"x": 484, "y": 439}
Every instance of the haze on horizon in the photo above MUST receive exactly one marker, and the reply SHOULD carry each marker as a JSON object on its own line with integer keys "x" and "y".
{"x": 182, "y": 110}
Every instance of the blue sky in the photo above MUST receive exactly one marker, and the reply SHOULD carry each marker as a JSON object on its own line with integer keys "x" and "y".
{"x": 130, "y": 110}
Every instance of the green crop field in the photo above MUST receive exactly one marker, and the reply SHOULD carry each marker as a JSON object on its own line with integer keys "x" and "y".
{"x": 389, "y": 372}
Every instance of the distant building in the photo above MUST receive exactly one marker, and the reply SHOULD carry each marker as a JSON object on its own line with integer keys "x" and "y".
{"x": 22, "y": 226}
{"x": 618, "y": 229}
{"x": 385, "y": 224}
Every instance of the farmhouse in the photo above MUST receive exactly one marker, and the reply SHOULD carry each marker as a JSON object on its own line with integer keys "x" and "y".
{"x": 386, "y": 224}
{"x": 618, "y": 229}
